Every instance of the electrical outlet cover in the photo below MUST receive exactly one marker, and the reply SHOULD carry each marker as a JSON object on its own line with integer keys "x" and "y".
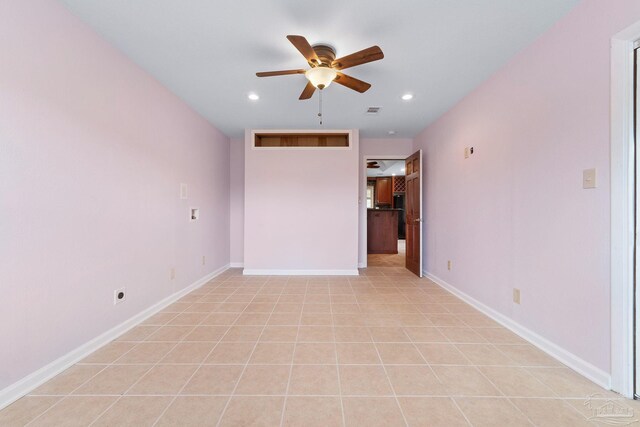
{"x": 119, "y": 296}
{"x": 589, "y": 178}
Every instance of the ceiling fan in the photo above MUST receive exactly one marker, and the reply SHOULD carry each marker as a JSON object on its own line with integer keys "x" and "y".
{"x": 373, "y": 165}
{"x": 325, "y": 67}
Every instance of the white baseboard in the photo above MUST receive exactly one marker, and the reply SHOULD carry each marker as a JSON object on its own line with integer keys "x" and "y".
{"x": 236, "y": 264}
{"x": 362, "y": 265}
{"x": 15, "y": 391}
{"x": 574, "y": 362}
{"x": 275, "y": 272}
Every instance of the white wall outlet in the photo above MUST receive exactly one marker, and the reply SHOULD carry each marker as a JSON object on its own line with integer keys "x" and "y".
{"x": 449, "y": 265}
{"x": 516, "y": 295}
{"x": 203, "y": 260}
{"x": 172, "y": 273}
{"x": 119, "y": 296}
{"x": 183, "y": 192}
{"x": 466, "y": 152}
{"x": 589, "y": 178}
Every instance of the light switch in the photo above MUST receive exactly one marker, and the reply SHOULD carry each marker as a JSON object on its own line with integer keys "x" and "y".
{"x": 589, "y": 178}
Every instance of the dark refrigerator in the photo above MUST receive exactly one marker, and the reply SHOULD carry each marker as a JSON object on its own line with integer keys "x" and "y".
{"x": 398, "y": 203}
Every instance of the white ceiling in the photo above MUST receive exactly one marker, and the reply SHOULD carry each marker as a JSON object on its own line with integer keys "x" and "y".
{"x": 387, "y": 168}
{"x": 207, "y": 52}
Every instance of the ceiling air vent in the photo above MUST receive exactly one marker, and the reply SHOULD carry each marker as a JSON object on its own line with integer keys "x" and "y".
{"x": 373, "y": 110}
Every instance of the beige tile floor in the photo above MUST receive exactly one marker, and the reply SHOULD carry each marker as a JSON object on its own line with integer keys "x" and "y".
{"x": 389, "y": 260}
{"x": 382, "y": 349}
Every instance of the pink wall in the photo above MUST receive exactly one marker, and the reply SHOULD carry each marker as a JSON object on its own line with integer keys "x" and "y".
{"x": 301, "y": 208}
{"x": 368, "y": 147}
{"x": 236, "y": 201}
{"x": 92, "y": 152}
{"x": 374, "y": 147}
{"x": 515, "y": 214}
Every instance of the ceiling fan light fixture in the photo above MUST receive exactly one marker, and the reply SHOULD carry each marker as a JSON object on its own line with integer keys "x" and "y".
{"x": 321, "y": 77}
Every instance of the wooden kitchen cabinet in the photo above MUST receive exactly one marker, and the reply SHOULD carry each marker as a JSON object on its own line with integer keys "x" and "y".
{"x": 384, "y": 191}
{"x": 382, "y": 231}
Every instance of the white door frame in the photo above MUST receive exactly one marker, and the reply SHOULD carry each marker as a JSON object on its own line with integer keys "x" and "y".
{"x": 622, "y": 210}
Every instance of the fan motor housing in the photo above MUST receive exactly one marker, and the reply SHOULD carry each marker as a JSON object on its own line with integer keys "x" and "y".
{"x": 325, "y": 53}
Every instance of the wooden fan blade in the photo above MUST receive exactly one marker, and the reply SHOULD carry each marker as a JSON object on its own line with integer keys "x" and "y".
{"x": 308, "y": 91}
{"x": 352, "y": 83}
{"x": 305, "y": 49}
{"x": 374, "y": 53}
{"x": 279, "y": 73}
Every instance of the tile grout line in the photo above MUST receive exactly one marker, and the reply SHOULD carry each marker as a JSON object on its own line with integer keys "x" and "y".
{"x": 175, "y": 397}
{"x": 64, "y": 397}
{"x": 177, "y": 342}
{"x": 575, "y": 410}
{"x": 532, "y": 366}
{"x": 503, "y": 394}
{"x": 70, "y": 394}
{"x": 452, "y": 399}
{"x": 490, "y": 382}
{"x": 499, "y": 397}
{"x": 335, "y": 351}
{"x": 375, "y": 292}
{"x": 232, "y": 394}
{"x": 236, "y": 289}
{"x": 481, "y": 373}
{"x": 499, "y": 389}
{"x": 440, "y": 381}
{"x": 293, "y": 355}
{"x": 406, "y": 423}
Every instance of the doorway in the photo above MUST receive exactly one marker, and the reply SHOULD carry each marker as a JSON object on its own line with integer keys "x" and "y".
{"x": 392, "y": 197}
{"x": 385, "y": 212}
{"x": 624, "y": 213}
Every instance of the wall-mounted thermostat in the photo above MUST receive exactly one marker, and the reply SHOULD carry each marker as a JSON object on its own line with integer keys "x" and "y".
{"x": 194, "y": 214}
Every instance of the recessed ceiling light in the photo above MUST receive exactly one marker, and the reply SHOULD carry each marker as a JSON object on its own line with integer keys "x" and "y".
{"x": 392, "y": 132}
{"x": 407, "y": 97}
{"x": 393, "y": 174}
{"x": 253, "y": 97}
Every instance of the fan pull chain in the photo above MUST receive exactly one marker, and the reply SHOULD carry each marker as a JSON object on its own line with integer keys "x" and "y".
{"x": 320, "y": 107}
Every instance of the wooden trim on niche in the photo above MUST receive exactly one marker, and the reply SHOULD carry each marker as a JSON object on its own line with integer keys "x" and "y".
{"x": 314, "y": 140}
